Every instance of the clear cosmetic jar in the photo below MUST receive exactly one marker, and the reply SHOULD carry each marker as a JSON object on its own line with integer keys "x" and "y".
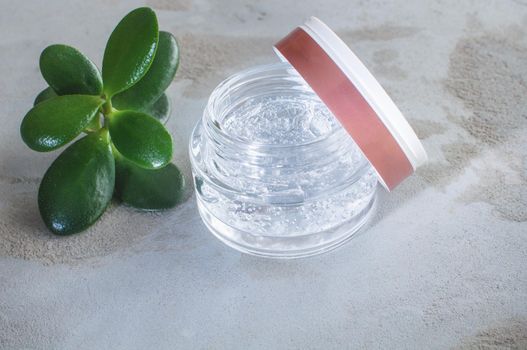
{"x": 275, "y": 173}
{"x": 287, "y": 157}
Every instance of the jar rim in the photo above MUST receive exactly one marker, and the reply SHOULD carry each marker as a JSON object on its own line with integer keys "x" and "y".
{"x": 248, "y": 75}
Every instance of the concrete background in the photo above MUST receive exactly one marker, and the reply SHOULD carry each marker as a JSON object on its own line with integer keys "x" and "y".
{"x": 442, "y": 265}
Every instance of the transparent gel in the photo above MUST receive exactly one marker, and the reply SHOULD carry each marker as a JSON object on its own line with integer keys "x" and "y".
{"x": 275, "y": 173}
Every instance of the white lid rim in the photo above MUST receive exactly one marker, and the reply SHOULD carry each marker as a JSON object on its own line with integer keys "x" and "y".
{"x": 370, "y": 88}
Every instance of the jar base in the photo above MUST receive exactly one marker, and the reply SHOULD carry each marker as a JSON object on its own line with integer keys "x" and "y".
{"x": 286, "y": 247}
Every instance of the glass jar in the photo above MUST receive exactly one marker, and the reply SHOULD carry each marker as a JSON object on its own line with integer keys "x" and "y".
{"x": 275, "y": 173}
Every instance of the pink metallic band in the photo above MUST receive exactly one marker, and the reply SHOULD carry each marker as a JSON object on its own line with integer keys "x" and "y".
{"x": 343, "y": 99}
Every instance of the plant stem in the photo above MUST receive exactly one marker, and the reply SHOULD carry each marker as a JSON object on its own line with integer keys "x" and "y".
{"x": 105, "y": 134}
{"x": 107, "y": 107}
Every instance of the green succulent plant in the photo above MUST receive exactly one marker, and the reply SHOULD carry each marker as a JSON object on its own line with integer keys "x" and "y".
{"x": 126, "y": 150}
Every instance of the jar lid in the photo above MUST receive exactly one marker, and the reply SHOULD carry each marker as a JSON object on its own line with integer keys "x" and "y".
{"x": 356, "y": 99}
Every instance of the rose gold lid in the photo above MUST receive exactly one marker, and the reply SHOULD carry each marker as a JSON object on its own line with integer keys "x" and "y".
{"x": 356, "y": 99}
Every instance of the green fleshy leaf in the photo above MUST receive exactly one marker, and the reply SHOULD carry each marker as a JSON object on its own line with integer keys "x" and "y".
{"x": 161, "y": 73}
{"x": 69, "y": 72}
{"x": 44, "y": 95}
{"x": 141, "y": 139}
{"x": 146, "y": 188}
{"x": 78, "y": 186}
{"x": 130, "y": 50}
{"x": 159, "y": 109}
{"x": 48, "y": 93}
{"x": 55, "y": 122}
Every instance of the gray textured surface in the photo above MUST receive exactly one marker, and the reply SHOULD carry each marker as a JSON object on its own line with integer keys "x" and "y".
{"x": 442, "y": 265}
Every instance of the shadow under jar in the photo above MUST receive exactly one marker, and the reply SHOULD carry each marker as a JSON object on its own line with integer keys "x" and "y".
{"x": 275, "y": 173}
